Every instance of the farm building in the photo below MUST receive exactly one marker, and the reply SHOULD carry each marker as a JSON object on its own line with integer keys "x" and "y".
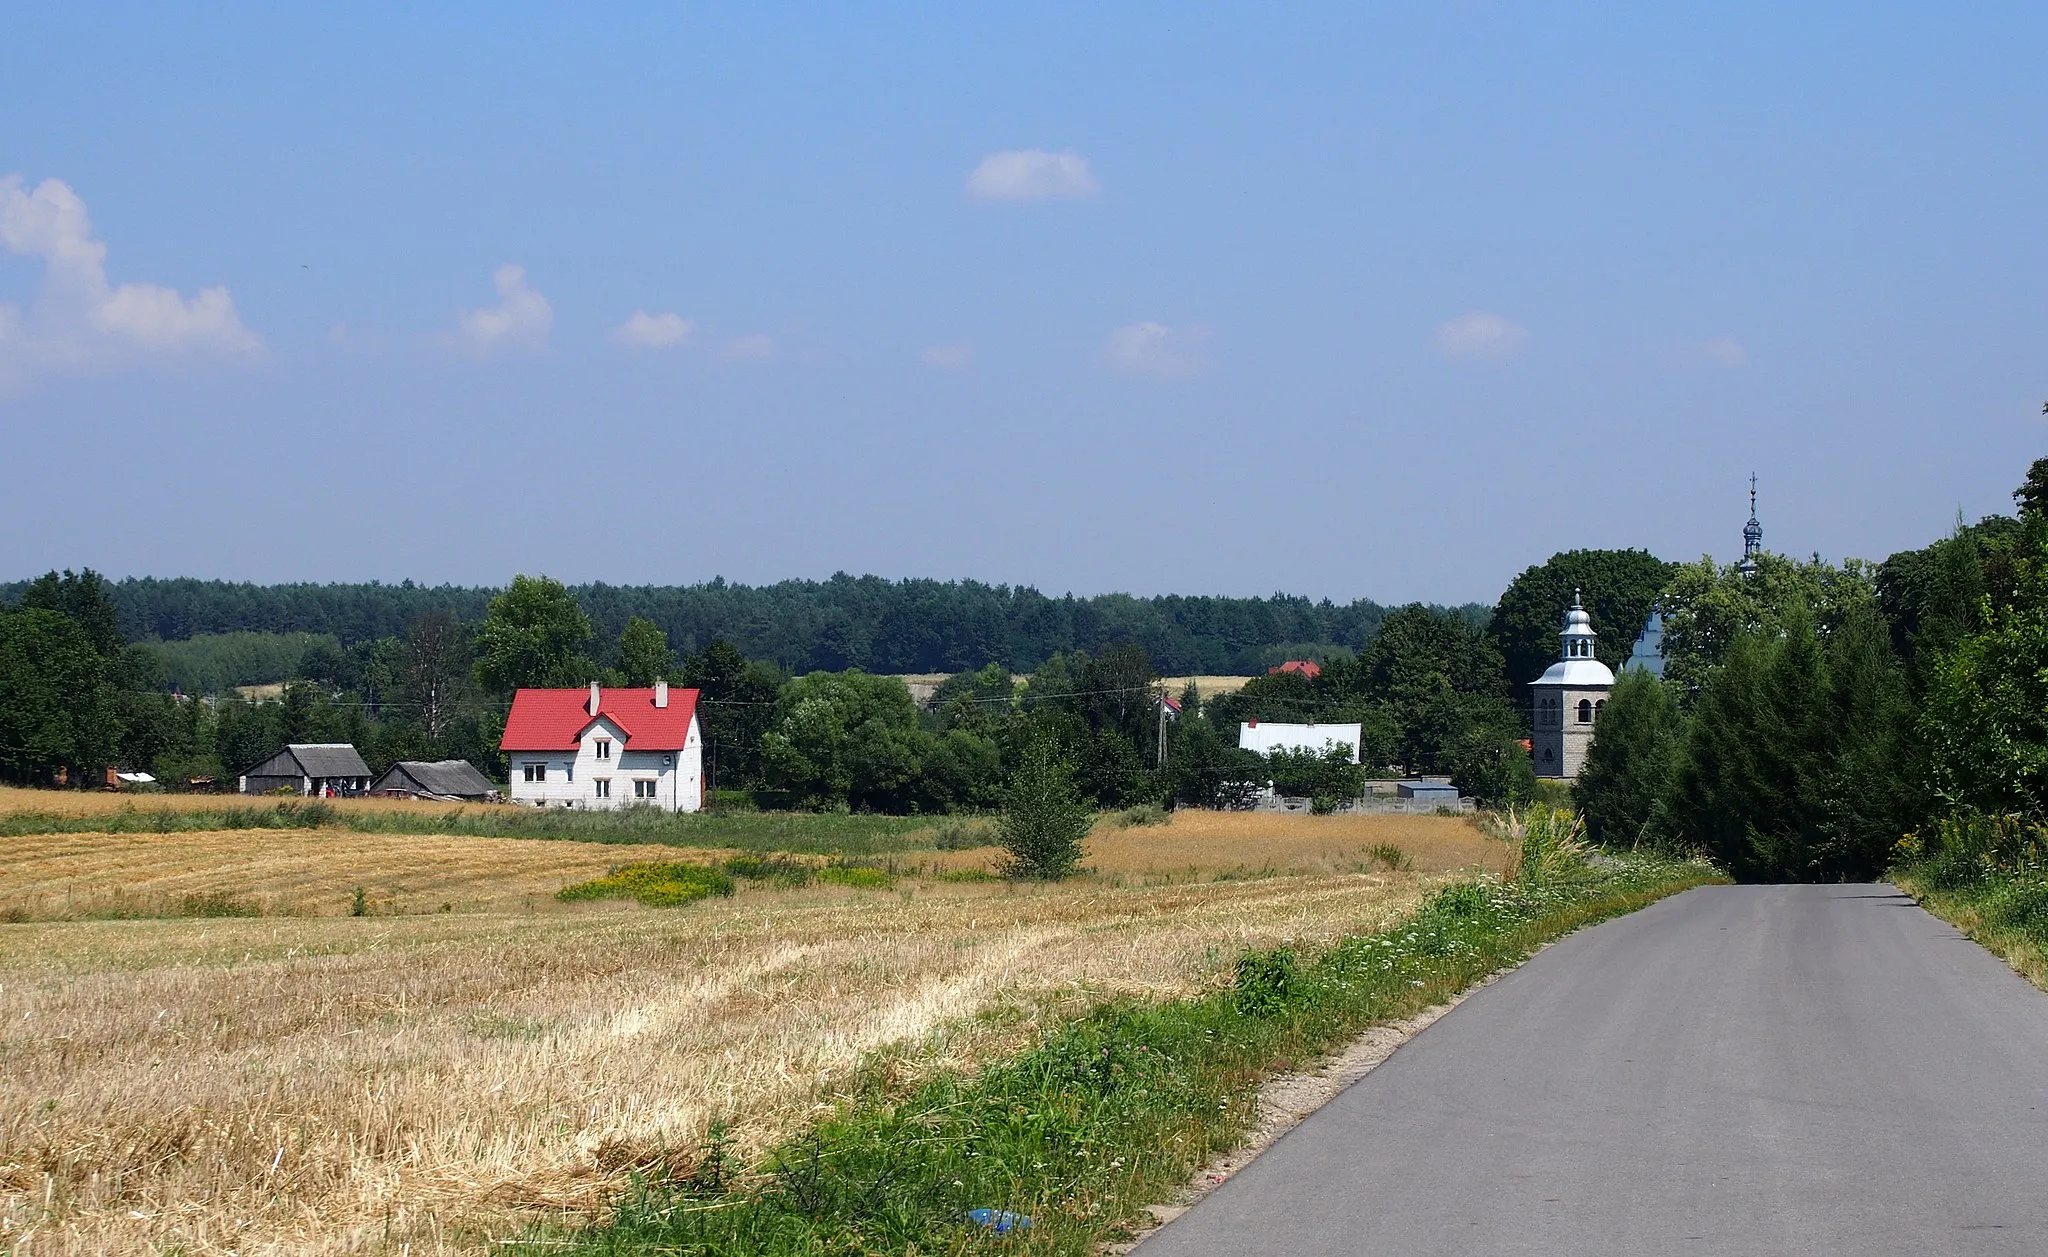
{"x": 436, "y": 779}
{"x": 607, "y": 748}
{"x": 315, "y": 768}
{"x": 1265, "y": 736}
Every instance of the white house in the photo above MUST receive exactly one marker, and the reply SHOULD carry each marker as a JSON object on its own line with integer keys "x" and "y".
{"x": 1265, "y": 736}
{"x": 606, "y": 748}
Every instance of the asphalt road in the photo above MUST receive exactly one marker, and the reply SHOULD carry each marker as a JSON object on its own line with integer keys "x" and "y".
{"x": 1755, "y": 1069}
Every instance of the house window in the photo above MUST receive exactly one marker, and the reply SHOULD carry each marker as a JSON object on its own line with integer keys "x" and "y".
{"x": 604, "y": 748}
{"x": 601, "y": 787}
{"x": 1585, "y": 711}
{"x": 643, "y": 789}
{"x": 536, "y": 772}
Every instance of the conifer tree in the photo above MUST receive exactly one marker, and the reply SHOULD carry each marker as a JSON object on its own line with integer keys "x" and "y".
{"x": 1637, "y": 748}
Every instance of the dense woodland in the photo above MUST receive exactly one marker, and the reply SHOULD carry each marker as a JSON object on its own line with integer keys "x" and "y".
{"x": 908, "y": 626}
{"x": 1813, "y": 715}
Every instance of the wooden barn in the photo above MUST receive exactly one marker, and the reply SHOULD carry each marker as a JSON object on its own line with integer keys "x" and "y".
{"x": 310, "y": 768}
{"x": 435, "y": 779}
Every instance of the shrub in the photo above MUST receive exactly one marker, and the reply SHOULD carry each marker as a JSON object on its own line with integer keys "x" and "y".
{"x": 779, "y": 870}
{"x": 1143, "y": 814}
{"x": 654, "y": 885}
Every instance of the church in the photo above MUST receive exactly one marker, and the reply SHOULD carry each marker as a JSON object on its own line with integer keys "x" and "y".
{"x": 1568, "y": 699}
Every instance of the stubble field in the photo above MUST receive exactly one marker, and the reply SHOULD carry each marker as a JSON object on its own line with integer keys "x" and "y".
{"x": 425, "y": 1081}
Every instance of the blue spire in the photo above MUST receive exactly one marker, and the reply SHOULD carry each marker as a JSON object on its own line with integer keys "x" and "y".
{"x": 1752, "y": 535}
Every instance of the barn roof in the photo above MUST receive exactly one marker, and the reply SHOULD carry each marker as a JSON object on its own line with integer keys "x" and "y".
{"x": 554, "y": 720}
{"x": 456, "y": 777}
{"x": 328, "y": 759}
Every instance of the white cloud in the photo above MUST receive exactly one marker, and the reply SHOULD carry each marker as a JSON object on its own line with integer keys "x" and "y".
{"x": 1477, "y": 336}
{"x": 1031, "y": 174}
{"x": 1724, "y": 351}
{"x": 760, "y": 347}
{"x": 78, "y": 319}
{"x": 522, "y": 318}
{"x": 1155, "y": 349}
{"x": 653, "y": 331}
{"x": 954, "y": 357}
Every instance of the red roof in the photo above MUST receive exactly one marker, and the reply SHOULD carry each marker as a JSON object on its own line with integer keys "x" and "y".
{"x": 554, "y": 720}
{"x": 1307, "y": 667}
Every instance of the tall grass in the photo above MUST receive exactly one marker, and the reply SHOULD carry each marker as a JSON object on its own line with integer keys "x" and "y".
{"x": 1987, "y": 875}
{"x": 1109, "y": 1113}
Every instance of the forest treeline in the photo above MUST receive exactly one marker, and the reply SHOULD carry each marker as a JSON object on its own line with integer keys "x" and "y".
{"x": 866, "y": 622}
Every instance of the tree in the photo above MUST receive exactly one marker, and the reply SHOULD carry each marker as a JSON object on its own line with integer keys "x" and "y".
{"x": 56, "y": 705}
{"x": 432, "y": 664}
{"x": 1490, "y": 764}
{"x": 533, "y": 635}
{"x": 736, "y": 706}
{"x": 1637, "y": 747}
{"x": 644, "y": 656}
{"x": 1043, "y": 821}
{"x": 1708, "y": 606}
{"x": 84, "y": 600}
{"x": 1794, "y": 754}
{"x": 1437, "y": 678}
{"x": 1986, "y": 713}
{"x": 1618, "y": 587}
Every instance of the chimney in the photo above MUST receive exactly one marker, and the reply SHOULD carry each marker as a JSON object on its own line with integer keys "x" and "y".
{"x": 661, "y": 693}
{"x": 593, "y": 698}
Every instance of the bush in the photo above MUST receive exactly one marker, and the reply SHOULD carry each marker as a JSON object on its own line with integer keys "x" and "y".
{"x": 732, "y": 801}
{"x": 1390, "y": 855}
{"x": 959, "y": 834}
{"x": 1143, "y": 814}
{"x": 779, "y": 870}
{"x": 654, "y": 885}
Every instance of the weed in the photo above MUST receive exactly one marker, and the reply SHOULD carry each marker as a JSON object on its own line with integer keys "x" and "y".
{"x": 360, "y": 905}
{"x": 856, "y": 875}
{"x": 1265, "y": 981}
{"x": 216, "y": 904}
{"x": 957, "y": 833}
{"x": 1390, "y": 856}
{"x": 653, "y": 885}
{"x": 1142, "y": 814}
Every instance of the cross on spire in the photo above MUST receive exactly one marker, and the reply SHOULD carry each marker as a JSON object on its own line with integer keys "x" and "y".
{"x": 1752, "y": 535}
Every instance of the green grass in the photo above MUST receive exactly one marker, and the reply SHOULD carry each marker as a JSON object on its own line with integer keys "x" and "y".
{"x": 1107, "y": 1114}
{"x": 805, "y": 832}
{"x": 2006, "y": 912}
{"x": 653, "y": 885}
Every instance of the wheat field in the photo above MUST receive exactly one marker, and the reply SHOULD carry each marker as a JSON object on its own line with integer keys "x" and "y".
{"x": 424, "y": 1081}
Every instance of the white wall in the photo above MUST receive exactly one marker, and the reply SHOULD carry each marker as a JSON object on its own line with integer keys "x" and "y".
{"x": 572, "y": 776}
{"x": 1269, "y": 735}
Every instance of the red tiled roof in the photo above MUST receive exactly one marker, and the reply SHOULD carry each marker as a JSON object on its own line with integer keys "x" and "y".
{"x": 1307, "y": 667}
{"x": 554, "y": 720}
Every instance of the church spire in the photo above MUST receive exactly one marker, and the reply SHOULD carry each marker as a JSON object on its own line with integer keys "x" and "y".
{"x": 1752, "y": 535}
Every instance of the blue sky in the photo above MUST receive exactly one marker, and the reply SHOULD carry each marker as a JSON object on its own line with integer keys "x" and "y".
{"x": 1341, "y": 300}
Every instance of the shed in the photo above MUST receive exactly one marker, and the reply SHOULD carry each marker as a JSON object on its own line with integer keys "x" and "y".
{"x": 314, "y": 768}
{"x": 1429, "y": 791}
{"x": 435, "y": 779}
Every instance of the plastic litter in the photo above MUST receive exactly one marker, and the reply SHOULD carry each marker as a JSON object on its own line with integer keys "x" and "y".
{"x": 1001, "y": 1221}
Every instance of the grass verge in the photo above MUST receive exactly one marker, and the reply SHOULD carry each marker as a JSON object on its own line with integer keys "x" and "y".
{"x": 2006, "y": 913}
{"x": 1111, "y": 1112}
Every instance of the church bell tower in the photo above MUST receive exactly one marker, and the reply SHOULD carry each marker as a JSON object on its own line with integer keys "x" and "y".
{"x": 1568, "y": 698}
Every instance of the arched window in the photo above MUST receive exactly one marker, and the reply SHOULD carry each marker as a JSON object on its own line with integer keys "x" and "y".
{"x": 1597, "y": 707}
{"x": 1585, "y": 711}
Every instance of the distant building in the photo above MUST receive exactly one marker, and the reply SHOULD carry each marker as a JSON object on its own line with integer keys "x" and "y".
{"x": 310, "y": 768}
{"x": 1263, "y": 737}
{"x": 435, "y": 779}
{"x": 1306, "y": 667}
{"x": 1568, "y": 699}
{"x": 1442, "y": 792}
{"x": 1648, "y": 653}
{"x": 606, "y": 748}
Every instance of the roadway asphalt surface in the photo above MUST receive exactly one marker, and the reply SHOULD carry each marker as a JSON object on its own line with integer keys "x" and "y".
{"x": 1752, "y": 1069}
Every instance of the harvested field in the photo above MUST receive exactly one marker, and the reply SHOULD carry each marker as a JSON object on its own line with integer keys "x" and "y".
{"x": 294, "y": 872}
{"x": 1208, "y": 686}
{"x": 16, "y": 799}
{"x": 337, "y": 1084}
